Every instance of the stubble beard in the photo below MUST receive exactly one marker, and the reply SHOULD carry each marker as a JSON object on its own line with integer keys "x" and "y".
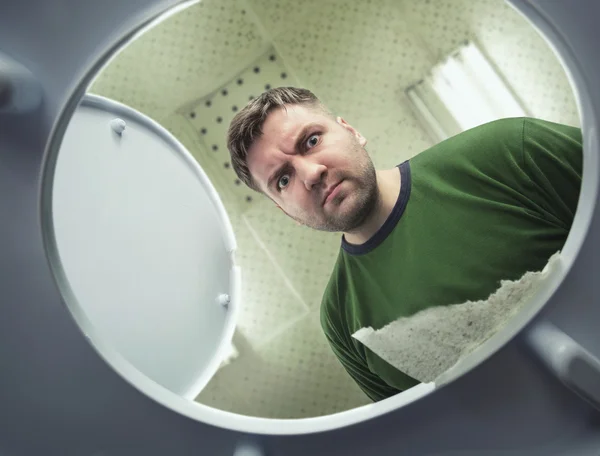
{"x": 365, "y": 198}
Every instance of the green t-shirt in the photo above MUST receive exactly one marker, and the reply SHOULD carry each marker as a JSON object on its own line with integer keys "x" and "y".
{"x": 483, "y": 206}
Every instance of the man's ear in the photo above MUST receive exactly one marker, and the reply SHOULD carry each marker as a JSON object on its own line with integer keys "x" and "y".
{"x": 361, "y": 139}
{"x": 280, "y": 208}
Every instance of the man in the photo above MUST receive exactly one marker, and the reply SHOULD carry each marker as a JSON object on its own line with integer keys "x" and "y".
{"x": 444, "y": 227}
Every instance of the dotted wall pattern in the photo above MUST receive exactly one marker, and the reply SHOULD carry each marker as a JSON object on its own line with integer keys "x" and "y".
{"x": 358, "y": 57}
{"x": 308, "y": 253}
{"x": 291, "y": 377}
{"x": 268, "y": 303}
{"x": 186, "y": 56}
{"x": 212, "y": 114}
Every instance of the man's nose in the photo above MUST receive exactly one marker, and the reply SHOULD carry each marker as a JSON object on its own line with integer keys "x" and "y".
{"x": 312, "y": 174}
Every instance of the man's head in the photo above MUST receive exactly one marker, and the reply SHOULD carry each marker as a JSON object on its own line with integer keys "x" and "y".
{"x": 287, "y": 145}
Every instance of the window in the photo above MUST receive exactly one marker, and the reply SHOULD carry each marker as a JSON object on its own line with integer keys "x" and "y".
{"x": 461, "y": 92}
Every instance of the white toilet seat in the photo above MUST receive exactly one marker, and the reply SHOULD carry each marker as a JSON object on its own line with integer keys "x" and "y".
{"x": 142, "y": 240}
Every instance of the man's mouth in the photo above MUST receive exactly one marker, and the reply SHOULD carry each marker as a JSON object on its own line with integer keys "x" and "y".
{"x": 331, "y": 192}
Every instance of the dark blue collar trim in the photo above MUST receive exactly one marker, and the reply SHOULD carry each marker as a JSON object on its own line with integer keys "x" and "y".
{"x": 392, "y": 220}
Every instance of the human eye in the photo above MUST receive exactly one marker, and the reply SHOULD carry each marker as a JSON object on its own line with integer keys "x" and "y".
{"x": 283, "y": 181}
{"x": 312, "y": 141}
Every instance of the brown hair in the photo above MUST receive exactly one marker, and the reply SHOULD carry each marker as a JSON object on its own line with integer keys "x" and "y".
{"x": 246, "y": 126}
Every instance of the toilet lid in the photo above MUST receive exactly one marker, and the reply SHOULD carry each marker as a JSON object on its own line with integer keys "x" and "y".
{"x": 144, "y": 245}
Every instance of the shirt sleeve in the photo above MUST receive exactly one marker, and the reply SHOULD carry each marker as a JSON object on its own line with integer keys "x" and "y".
{"x": 352, "y": 361}
{"x": 553, "y": 159}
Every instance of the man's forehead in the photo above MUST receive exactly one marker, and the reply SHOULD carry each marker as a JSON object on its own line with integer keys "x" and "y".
{"x": 282, "y": 127}
{"x": 286, "y": 120}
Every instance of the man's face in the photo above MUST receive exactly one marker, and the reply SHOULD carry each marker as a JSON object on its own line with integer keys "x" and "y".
{"x": 314, "y": 168}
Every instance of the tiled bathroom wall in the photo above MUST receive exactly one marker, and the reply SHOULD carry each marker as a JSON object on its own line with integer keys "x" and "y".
{"x": 194, "y": 71}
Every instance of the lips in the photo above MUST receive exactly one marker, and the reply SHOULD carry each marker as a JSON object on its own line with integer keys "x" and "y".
{"x": 329, "y": 191}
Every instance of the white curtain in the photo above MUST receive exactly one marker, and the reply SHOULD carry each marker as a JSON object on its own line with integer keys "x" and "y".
{"x": 461, "y": 92}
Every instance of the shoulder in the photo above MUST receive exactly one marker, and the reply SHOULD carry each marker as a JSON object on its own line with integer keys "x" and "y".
{"x": 511, "y": 126}
{"x": 483, "y": 142}
{"x": 485, "y": 150}
{"x": 547, "y": 133}
{"x": 491, "y": 135}
{"x": 514, "y": 132}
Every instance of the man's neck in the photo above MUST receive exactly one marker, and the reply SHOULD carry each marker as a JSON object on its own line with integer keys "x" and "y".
{"x": 388, "y": 186}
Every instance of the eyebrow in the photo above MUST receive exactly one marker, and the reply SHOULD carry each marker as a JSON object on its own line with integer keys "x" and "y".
{"x": 300, "y": 138}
